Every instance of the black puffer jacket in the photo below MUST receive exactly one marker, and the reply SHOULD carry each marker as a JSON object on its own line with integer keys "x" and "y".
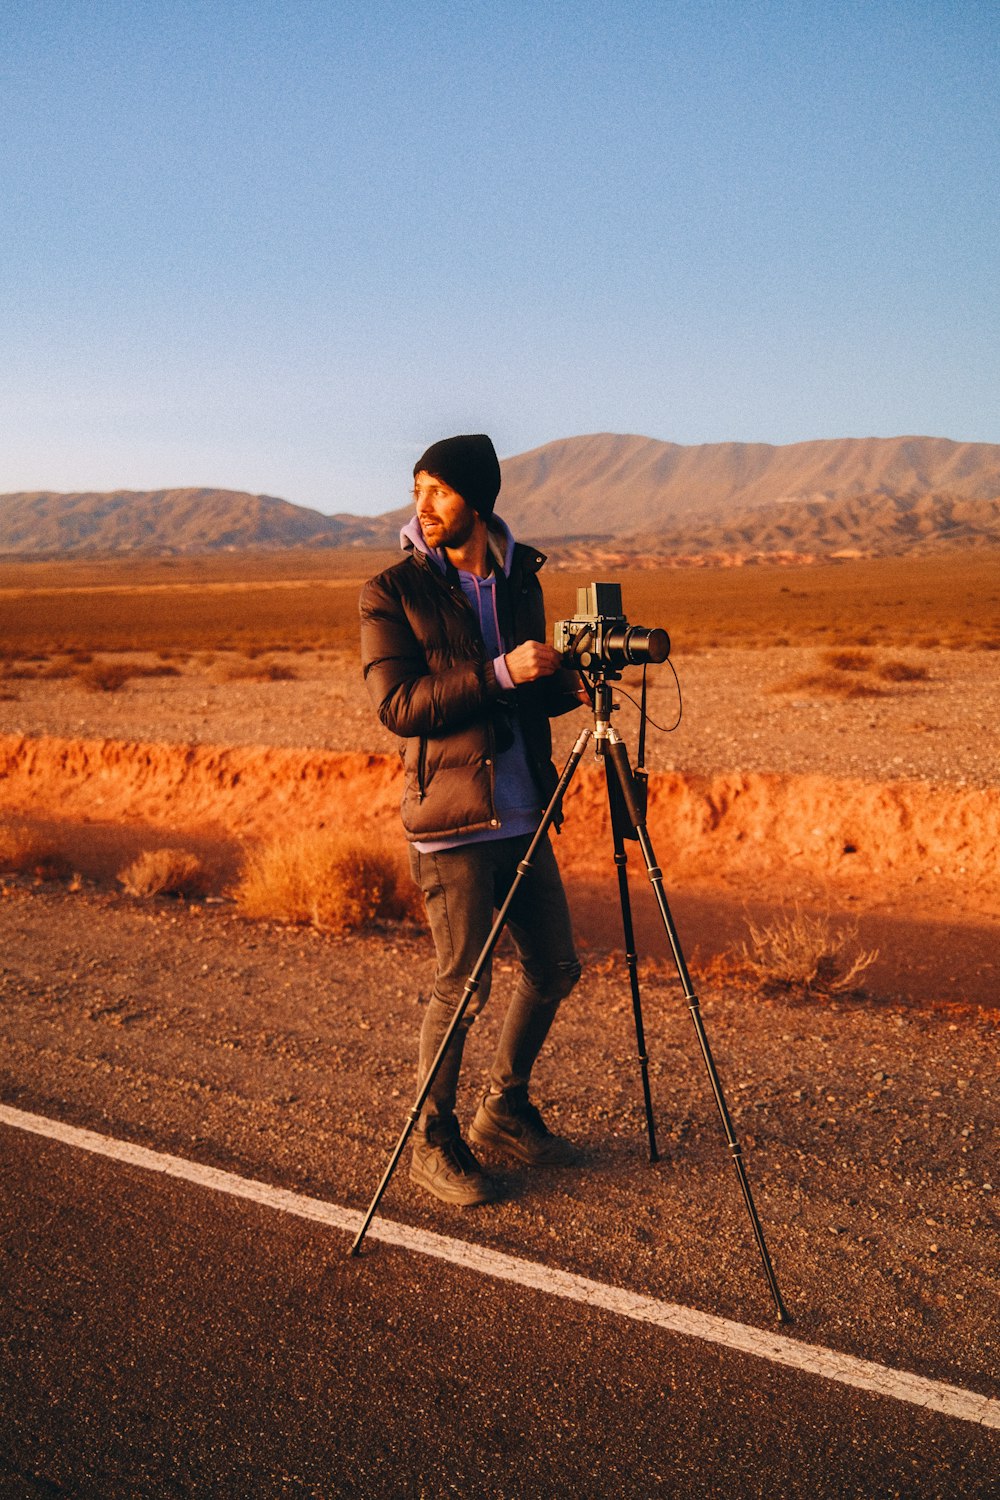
{"x": 429, "y": 678}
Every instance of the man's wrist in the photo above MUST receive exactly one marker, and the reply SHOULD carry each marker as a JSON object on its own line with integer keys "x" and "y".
{"x": 505, "y": 681}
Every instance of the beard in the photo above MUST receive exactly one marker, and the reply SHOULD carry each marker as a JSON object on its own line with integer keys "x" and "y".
{"x": 453, "y": 533}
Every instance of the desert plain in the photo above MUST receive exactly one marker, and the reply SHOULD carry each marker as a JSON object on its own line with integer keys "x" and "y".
{"x": 835, "y": 762}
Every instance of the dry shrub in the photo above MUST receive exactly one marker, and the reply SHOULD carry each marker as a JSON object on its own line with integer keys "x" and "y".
{"x": 336, "y": 882}
{"x": 829, "y": 683}
{"x": 155, "y": 669}
{"x": 108, "y": 676}
{"x": 253, "y": 670}
{"x": 69, "y": 665}
{"x": 57, "y": 671}
{"x": 23, "y": 851}
{"x": 165, "y": 872}
{"x": 849, "y": 661}
{"x": 902, "y": 671}
{"x": 11, "y": 672}
{"x": 104, "y": 676}
{"x": 805, "y": 953}
{"x": 849, "y": 673}
{"x": 275, "y": 671}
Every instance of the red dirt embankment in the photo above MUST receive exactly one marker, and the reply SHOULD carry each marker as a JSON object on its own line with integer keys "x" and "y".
{"x": 907, "y": 844}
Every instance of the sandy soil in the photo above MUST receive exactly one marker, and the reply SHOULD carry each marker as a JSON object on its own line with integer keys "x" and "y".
{"x": 868, "y": 1123}
{"x": 942, "y": 729}
{"x": 887, "y": 803}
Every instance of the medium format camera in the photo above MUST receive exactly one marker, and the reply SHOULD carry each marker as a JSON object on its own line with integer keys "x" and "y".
{"x": 600, "y": 639}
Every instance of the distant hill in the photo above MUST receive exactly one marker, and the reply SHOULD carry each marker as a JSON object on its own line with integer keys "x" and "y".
{"x": 623, "y": 486}
{"x": 167, "y": 522}
{"x": 814, "y": 530}
{"x": 605, "y": 494}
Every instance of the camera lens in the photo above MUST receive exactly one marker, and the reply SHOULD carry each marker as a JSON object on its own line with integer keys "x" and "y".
{"x": 634, "y": 645}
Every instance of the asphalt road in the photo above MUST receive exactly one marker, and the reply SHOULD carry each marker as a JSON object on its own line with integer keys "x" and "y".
{"x": 159, "y": 1338}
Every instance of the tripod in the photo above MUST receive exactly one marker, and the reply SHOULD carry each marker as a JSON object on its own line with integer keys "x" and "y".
{"x": 626, "y": 799}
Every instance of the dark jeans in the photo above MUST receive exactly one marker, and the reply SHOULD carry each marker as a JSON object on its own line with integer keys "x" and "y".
{"x": 462, "y": 888}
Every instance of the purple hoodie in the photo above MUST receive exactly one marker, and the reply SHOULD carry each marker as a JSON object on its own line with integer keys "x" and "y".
{"x": 515, "y": 793}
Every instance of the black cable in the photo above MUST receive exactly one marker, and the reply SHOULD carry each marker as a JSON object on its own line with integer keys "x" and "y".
{"x": 680, "y": 701}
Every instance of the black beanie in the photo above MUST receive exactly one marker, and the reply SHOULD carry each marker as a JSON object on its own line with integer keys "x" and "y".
{"x": 468, "y": 464}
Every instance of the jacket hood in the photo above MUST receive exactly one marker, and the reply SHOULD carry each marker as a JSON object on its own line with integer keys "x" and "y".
{"x": 412, "y": 538}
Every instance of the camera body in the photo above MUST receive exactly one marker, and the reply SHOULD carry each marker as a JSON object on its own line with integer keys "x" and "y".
{"x": 600, "y": 640}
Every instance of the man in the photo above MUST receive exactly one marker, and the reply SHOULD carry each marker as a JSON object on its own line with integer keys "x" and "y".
{"x": 456, "y": 662}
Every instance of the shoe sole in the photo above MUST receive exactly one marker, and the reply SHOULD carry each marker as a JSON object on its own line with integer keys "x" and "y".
{"x": 564, "y": 1156}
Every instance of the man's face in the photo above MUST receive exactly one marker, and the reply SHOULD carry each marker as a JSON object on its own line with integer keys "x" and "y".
{"x": 446, "y": 520}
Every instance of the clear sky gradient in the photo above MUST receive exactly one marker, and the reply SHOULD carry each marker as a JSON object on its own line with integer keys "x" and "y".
{"x": 282, "y": 247}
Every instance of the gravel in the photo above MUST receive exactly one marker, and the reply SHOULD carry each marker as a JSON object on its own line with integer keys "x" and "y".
{"x": 941, "y": 729}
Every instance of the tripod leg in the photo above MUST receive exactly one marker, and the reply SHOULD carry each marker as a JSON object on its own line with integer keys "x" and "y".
{"x": 615, "y": 752}
{"x": 631, "y": 956}
{"x": 472, "y": 983}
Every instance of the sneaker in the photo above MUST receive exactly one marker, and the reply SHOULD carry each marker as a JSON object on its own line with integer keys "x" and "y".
{"x": 511, "y": 1123}
{"x": 447, "y": 1168}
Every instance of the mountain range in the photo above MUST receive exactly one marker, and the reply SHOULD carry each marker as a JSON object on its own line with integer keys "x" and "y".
{"x": 635, "y": 498}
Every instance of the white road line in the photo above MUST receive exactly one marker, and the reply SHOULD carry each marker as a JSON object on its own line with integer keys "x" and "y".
{"x": 811, "y": 1359}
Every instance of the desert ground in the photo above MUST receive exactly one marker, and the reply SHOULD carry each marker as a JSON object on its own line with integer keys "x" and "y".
{"x": 834, "y": 763}
{"x": 822, "y": 736}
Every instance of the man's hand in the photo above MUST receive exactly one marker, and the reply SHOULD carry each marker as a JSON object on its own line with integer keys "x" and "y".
{"x": 531, "y": 660}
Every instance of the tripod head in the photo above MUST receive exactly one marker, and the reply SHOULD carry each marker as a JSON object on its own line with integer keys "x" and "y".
{"x": 598, "y": 687}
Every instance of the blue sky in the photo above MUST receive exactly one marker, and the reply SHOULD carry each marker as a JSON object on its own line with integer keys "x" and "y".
{"x": 283, "y": 246}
